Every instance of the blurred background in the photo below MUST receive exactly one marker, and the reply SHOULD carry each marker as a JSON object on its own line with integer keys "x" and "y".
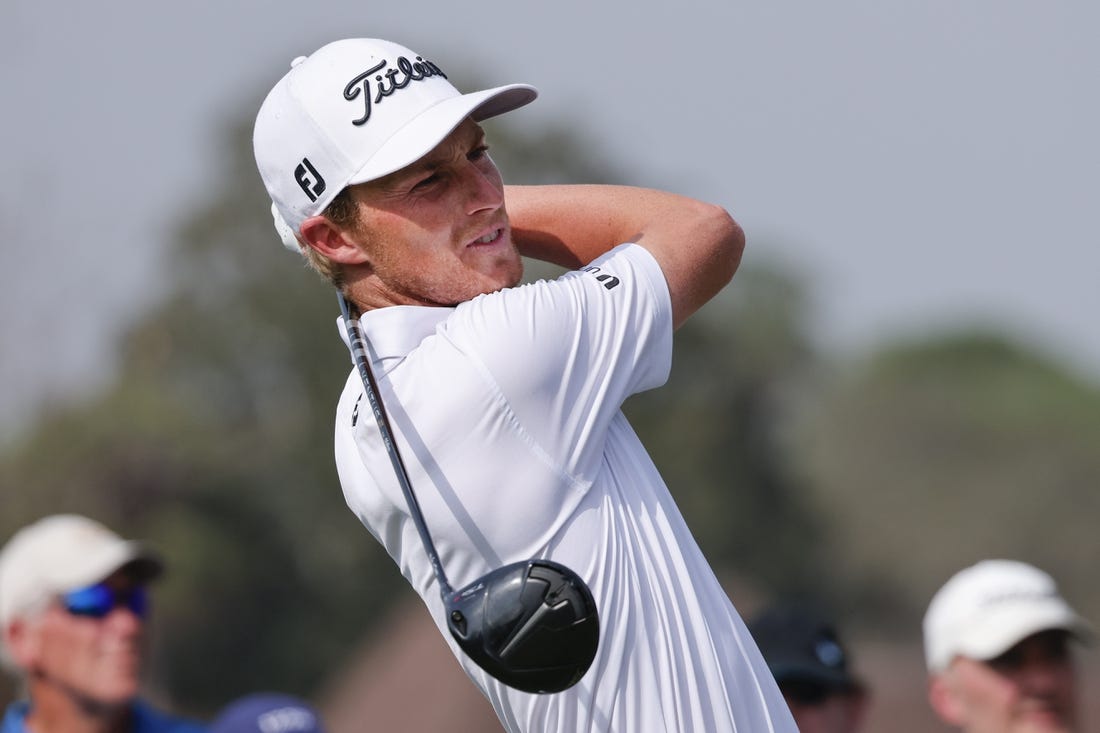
{"x": 903, "y": 378}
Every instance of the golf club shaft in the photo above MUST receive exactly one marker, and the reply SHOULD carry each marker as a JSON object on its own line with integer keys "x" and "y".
{"x": 358, "y": 341}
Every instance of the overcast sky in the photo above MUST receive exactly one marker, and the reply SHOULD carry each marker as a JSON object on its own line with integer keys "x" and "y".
{"x": 924, "y": 164}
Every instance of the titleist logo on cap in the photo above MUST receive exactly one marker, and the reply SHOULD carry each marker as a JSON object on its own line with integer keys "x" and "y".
{"x": 396, "y": 78}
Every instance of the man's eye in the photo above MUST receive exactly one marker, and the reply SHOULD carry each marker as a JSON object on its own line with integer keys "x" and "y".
{"x": 1011, "y": 660}
{"x": 479, "y": 153}
{"x": 426, "y": 182}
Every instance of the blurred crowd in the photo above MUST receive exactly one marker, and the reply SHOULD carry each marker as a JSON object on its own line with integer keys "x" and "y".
{"x": 999, "y": 641}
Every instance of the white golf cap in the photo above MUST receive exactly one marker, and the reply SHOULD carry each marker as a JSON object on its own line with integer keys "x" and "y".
{"x": 987, "y": 608}
{"x": 356, "y": 110}
{"x": 61, "y": 553}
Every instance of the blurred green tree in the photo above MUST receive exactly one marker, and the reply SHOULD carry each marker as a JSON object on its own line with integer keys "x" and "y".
{"x": 935, "y": 453}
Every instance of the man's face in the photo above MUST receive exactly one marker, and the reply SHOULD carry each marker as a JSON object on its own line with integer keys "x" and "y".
{"x": 436, "y": 232}
{"x": 96, "y": 660}
{"x": 1028, "y": 689}
{"x": 822, "y": 710}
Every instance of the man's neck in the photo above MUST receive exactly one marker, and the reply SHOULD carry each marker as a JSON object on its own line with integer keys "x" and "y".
{"x": 57, "y": 710}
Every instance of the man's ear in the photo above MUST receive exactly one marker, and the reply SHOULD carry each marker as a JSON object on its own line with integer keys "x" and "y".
{"x": 331, "y": 241}
{"x": 944, "y": 701}
{"x": 21, "y": 642}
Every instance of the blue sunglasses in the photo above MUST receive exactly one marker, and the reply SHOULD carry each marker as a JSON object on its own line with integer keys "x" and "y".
{"x": 99, "y": 600}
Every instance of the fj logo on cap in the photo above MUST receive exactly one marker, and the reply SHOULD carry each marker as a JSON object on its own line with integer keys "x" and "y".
{"x": 309, "y": 179}
{"x": 397, "y": 78}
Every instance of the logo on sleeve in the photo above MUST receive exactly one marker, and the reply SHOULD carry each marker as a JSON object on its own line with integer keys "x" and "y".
{"x": 609, "y": 281}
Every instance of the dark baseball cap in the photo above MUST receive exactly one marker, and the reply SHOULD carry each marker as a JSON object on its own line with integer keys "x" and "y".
{"x": 266, "y": 712}
{"x": 803, "y": 648}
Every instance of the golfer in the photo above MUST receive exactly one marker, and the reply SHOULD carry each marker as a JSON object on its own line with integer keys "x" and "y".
{"x": 505, "y": 400}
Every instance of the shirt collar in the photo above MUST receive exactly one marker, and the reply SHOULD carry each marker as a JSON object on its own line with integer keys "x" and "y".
{"x": 396, "y": 330}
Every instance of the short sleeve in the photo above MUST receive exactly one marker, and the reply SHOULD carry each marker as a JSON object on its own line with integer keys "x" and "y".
{"x": 567, "y": 353}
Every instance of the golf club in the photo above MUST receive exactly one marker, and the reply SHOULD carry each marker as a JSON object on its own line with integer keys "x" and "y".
{"x": 532, "y": 624}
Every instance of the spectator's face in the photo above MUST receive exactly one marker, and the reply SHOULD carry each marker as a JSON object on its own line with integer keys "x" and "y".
{"x": 436, "y": 232}
{"x": 1028, "y": 689}
{"x": 825, "y": 711}
{"x": 96, "y": 660}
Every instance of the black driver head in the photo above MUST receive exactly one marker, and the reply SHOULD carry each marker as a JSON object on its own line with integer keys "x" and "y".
{"x": 532, "y": 625}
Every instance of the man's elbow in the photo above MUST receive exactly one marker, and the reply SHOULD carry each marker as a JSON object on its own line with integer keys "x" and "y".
{"x": 728, "y": 241}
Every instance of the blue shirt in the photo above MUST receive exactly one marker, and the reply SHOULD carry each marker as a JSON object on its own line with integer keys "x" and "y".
{"x": 146, "y": 720}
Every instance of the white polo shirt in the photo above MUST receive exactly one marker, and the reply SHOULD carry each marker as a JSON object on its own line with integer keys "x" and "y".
{"x": 506, "y": 411}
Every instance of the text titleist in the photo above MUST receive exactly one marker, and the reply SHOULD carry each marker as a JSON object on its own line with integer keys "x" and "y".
{"x": 403, "y": 73}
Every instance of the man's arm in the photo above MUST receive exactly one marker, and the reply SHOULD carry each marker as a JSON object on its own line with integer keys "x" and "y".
{"x": 697, "y": 245}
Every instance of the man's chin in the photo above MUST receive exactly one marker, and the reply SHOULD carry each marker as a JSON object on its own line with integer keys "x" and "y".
{"x": 508, "y": 275}
{"x": 109, "y": 700}
{"x": 1047, "y": 722}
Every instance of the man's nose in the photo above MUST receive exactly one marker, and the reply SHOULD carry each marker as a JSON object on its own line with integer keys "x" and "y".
{"x": 124, "y": 620}
{"x": 1045, "y": 677}
{"x": 485, "y": 191}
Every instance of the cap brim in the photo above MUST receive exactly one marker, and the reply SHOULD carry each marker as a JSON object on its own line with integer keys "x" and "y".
{"x": 997, "y": 636}
{"x": 417, "y": 138}
{"x": 833, "y": 678}
{"x": 144, "y": 568}
{"x": 142, "y": 563}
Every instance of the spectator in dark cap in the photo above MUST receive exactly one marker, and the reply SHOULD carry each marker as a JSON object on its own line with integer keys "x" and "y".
{"x": 268, "y": 712}
{"x": 812, "y": 668}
